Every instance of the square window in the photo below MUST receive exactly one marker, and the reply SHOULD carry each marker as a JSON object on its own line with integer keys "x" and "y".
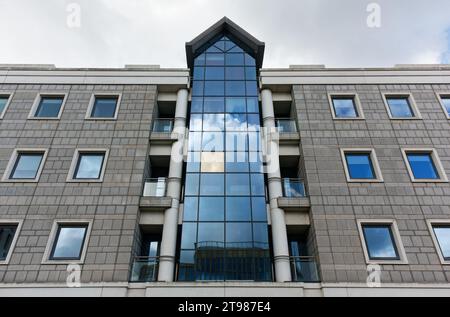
{"x": 214, "y": 88}
{"x": 213, "y": 162}
{"x": 190, "y": 209}
{"x": 234, "y": 59}
{"x": 359, "y": 166}
{"x": 69, "y": 242}
{"x": 104, "y": 107}
{"x": 193, "y": 162}
{"x": 197, "y": 88}
{"x": 236, "y": 142}
{"x": 191, "y": 184}
{"x": 189, "y": 235}
{"x": 422, "y": 166}
{"x": 249, "y": 61}
{"x": 259, "y": 211}
{"x": 235, "y": 73}
{"x": 214, "y": 73}
{"x": 197, "y": 105}
{"x": 239, "y": 235}
{"x": 251, "y": 88}
{"x": 250, "y": 73}
{"x": 213, "y": 142}
{"x": 261, "y": 234}
{"x": 199, "y": 73}
{"x": 212, "y": 185}
{"x": 380, "y": 242}
{"x": 195, "y": 123}
{"x": 344, "y": 107}
{"x": 237, "y": 162}
{"x": 238, "y": 209}
{"x": 236, "y": 122}
{"x": 445, "y": 101}
{"x": 238, "y": 184}
{"x": 213, "y": 59}
{"x": 49, "y": 106}
{"x": 89, "y": 165}
{"x": 211, "y": 233}
{"x": 214, "y": 104}
{"x": 195, "y": 141}
{"x": 213, "y": 122}
{"x": 211, "y": 209}
{"x": 442, "y": 233}
{"x": 400, "y": 107}
{"x": 7, "y": 235}
{"x": 257, "y": 184}
{"x": 235, "y": 105}
{"x": 27, "y": 166}
{"x": 235, "y": 88}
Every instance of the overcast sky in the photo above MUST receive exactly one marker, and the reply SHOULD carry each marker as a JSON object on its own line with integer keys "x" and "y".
{"x": 113, "y": 33}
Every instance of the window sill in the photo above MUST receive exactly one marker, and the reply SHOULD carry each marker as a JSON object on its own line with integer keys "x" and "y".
{"x": 349, "y": 119}
{"x": 437, "y": 181}
{"x": 20, "y": 180}
{"x": 406, "y": 119}
{"x": 43, "y": 118}
{"x": 84, "y": 181}
{"x": 387, "y": 262}
{"x": 365, "y": 181}
{"x": 100, "y": 119}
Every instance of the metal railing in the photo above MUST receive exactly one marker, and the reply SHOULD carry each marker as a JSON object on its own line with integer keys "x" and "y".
{"x": 294, "y": 188}
{"x": 162, "y": 125}
{"x": 286, "y": 125}
{"x": 144, "y": 269}
{"x": 154, "y": 187}
{"x": 304, "y": 269}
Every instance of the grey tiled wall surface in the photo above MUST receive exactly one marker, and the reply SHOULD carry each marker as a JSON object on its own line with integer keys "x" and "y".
{"x": 112, "y": 205}
{"x": 336, "y": 204}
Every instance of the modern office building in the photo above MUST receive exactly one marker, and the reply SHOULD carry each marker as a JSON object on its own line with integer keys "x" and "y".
{"x": 225, "y": 178}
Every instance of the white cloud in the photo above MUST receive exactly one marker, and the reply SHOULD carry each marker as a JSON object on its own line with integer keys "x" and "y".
{"x": 118, "y": 32}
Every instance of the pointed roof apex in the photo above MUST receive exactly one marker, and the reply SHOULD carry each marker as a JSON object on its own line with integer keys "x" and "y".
{"x": 226, "y": 27}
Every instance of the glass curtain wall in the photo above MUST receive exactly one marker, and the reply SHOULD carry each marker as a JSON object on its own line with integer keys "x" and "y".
{"x": 225, "y": 232}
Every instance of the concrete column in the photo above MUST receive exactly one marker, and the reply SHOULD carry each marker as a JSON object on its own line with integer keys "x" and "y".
{"x": 278, "y": 222}
{"x": 170, "y": 229}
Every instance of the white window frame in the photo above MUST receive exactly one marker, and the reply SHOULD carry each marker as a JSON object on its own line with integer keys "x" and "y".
{"x": 37, "y": 101}
{"x": 412, "y": 104}
{"x": 19, "y": 224}
{"x": 436, "y": 161}
{"x": 356, "y": 103}
{"x": 437, "y": 222}
{"x": 397, "y": 240}
{"x": 10, "y": 96}
{"x": 51, "y": 241}
{"x": 12, "y": 161}
{"x": 73, "y": 165}
{"x": 373, "y": 157}
{"x": 439, "y": 96}
{"x": 103, "y": 94}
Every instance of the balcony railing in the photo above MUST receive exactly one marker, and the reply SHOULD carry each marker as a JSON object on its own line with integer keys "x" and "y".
{"x": 162, "y": 125}
{"x": 304, "y": 269}
{"x": 154, "y": 187}
{"x": 293, "y": 188}
{"x": 145, "y": 269}
{"x": 286, "y": 125}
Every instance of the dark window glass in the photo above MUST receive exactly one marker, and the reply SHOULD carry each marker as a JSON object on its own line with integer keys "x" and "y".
{"x": 104, "y": 107}
{"x": 249, "y": 61}
{"x": 49, "y": 107}
{"x": 3, "y": 102}
{"x": 213, "y": 122}
{"x": 253, "y": 122}
{"x": 89, "y": 166}
{"x": 260, "y": 234}
{"x": 69, "y": 242}
{"x": 257, "y": 184}
{"x": 422, "y": 166}
{"x": 445, "y": 102}
{"x": 7, "y": 233}
{"x": 197, "y": 88}
{"x": 234, "y": 59}
{"x": 210, "y": 233}
{"x": 200, "y": 60}
{"x": 189, "y": 235}
{"x": 214, "y": 104}
{"x": 212, "y": 184}
{"x": 239, "y": 235}
{"x": 211, "y": 209}
{"x": 250, "y": 73}
{"x": 215, "y": 59}
{"x": 234, "y": 73}
{"x": 238, "y": 209}
{"x": 235, "y": 105}
{"x": 251, "y": 88}
{"x": 197, "y": 105}
{"x": 27, "y": 166}
{"x": 360, "y": 166}
{"x": 235, "y": 88}
{"x": 400, "y": 107}
{"x": 192, "y": 183}
{"x": 238, "y": 184}
{"x": 214, "y": 88}
{"x": 344, "y": 107}
{"x": 380, "y": 242}
{"x": 190, "y": 209}
{"x": 199, "y": 73}
{"x": 252, "y": 105}
{"x": 443, "y": 238}
{"x": 259, "y": 211}
{"x": 215, "y": 73}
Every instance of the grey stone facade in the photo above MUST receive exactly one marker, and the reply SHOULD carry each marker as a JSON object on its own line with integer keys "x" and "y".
{"x": 112, "y": 205}
{"x": 336, "y": 205}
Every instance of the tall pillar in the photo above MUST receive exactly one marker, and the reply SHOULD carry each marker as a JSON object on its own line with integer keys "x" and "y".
{"x": 170, "y": 229}
{"x": 278, "y": 222}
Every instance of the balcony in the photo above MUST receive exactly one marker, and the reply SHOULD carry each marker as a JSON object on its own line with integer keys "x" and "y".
{"x": 294, "y": 195}
{"x": 154, "y": 194}
{"x": 288, "y": 132}
{"x": 304, "y": 269}
{"x": 144, "y": 269}
{"x": 162, "y": 131}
